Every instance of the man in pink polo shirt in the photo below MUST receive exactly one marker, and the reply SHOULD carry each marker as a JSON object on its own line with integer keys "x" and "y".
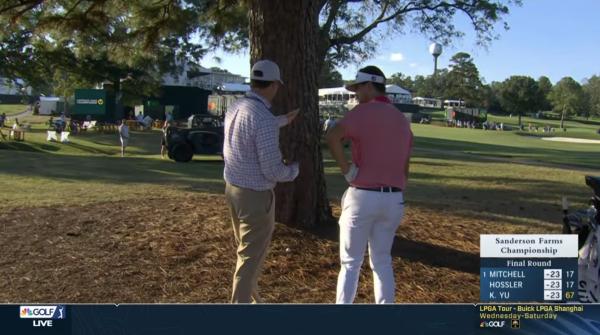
{"x": 373, "y": 205}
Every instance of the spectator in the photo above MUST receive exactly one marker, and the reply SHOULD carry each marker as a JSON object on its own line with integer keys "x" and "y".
{"x": 163, "y": 139}
{"x": 329, "y": 123}
{"x": 168, "y": 116}
{"x": 2, "y": 119}
{"x": 74, "y": 127}
{"x": 123, "y": 136}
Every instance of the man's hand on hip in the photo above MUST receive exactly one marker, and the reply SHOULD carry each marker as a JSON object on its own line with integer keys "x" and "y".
{"x": 351, "y": 173}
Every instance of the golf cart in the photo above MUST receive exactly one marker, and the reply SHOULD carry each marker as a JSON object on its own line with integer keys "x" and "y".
{"x": 203, "y": 136}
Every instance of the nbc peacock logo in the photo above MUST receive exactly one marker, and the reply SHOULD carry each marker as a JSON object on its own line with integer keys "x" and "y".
{"x": 25, "y": 311}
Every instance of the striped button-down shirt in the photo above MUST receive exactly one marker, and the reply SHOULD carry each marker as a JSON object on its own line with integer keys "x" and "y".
{"x": 251, "y": 148}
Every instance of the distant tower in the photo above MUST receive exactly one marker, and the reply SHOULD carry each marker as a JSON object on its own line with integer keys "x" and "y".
{"x": 435, "y": 49}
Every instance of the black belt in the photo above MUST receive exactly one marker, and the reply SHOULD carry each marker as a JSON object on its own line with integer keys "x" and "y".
{"x": 385, "y": 189}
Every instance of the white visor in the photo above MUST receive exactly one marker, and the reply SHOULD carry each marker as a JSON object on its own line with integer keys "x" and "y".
{"x": 362, "y": 77}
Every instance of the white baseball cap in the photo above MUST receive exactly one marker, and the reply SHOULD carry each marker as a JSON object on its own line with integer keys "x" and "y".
{"x": 266, "y": 70}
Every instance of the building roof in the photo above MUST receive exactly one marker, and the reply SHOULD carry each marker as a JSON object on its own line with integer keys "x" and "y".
{"x": 234, "y": 87}
{"x": 395, "y": 89}
{"x": 334, "y": 90}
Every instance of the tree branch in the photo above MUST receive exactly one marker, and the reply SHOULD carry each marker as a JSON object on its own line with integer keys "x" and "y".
{"x": 409, "y": 7}
{"x": 322, "y": 5}
{"x": 29, "y": 5}
{"x": 333, "y": 11}
{"x": 73, "y": 8}
{"x": 380, "y": 19}
{"x": 20, "y": 4}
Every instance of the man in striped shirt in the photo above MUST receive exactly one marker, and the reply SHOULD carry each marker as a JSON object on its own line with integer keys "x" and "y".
{"x": 253, "y": 166}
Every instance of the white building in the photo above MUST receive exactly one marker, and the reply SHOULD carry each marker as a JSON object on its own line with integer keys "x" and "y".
{"x": 427, "y": 102}
{"x": 203, "y": 78}
{"x": 398, "y": 94}
{"x": 340, "y": 96}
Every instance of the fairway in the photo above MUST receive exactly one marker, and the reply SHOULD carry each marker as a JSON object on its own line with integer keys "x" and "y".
{"x": 157, "y": 231}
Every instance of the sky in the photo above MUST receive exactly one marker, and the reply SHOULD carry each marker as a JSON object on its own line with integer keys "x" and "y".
{"x": 555, "y": 38}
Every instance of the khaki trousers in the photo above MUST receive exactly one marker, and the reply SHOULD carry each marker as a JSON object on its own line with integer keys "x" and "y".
{"x": 253, "y": 220}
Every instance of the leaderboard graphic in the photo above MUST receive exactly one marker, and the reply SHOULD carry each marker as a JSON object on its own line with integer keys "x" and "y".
{"x": 528, "y": 268}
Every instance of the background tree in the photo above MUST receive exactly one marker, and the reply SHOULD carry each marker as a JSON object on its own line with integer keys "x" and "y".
{"x": 298, "y": 35}
{"x": 329, "y": 76}
{"x": 76, "y": 41}
{"x": 592, "y": 89}
{"x": 401, "y": 80}
{"x": 431, "y": 86}
{"x": 568, "y": 98}
{"x": 491, "y": 97}
{"x": 544, "y": 89}
{"x": 519, "y": 95}
{"x": 463, "y": 81}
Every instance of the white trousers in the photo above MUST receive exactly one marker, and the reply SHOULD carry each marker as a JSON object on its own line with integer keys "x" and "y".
{"x": 368, "y": 218}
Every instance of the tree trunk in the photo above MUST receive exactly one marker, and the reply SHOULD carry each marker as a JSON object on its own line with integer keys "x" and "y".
{"x": 286, "y": 32}
{"x": 520, "y": 119}
{"x": 562, "y": 118}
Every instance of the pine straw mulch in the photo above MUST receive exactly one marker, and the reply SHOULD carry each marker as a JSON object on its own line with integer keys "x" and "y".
{"x": 181, "y": 250}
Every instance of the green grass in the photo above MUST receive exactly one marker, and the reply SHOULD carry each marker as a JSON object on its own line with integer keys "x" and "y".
{"x": 476, "y": 173}
{"x": 12, "y": 109}
{"x": 578, "y": 127}
{"x": 509, "y": 145}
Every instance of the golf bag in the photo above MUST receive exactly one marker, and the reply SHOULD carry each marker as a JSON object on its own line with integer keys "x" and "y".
{"x": 586, "y": 224}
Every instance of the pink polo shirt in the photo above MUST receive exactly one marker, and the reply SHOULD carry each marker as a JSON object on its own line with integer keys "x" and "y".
{"x": 381, "y": 143}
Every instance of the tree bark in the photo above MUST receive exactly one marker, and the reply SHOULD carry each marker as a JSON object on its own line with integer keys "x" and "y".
{"x": 287, "y": 32}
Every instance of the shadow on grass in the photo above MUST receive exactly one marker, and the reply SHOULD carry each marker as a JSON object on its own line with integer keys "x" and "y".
{"x": 89, "y": 149}
{"x": 417, "y": 251}
{"x": 507, "y": 199}
{"x": 27, "y": 146}
{"x": 429, "y": 254}
{"x": 588, "y": 122}
{"x": 202, "y": 175}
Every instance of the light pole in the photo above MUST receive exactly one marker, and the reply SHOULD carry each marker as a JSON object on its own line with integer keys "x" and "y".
{"x": 435, "y": 49}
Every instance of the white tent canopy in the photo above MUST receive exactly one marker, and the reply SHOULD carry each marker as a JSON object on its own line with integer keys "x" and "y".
{"x": 395, "y": 89}
{"x": 334, "y": 91}
{"x": 49, "y": 105}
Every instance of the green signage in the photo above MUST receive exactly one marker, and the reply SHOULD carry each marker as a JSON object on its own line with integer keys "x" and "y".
{"x": 99, "y": 104}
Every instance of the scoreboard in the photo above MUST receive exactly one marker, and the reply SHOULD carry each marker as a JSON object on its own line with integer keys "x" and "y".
{"x": 528, "y": 268}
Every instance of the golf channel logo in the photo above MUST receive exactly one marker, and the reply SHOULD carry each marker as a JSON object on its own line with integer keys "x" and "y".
{"x": 492, "y": 324}
{"x": 43, "y": 312}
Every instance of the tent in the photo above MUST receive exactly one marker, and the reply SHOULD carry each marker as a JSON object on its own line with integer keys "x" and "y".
{"x": 51, "y": 105}
{"x": 398, "y": 94}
